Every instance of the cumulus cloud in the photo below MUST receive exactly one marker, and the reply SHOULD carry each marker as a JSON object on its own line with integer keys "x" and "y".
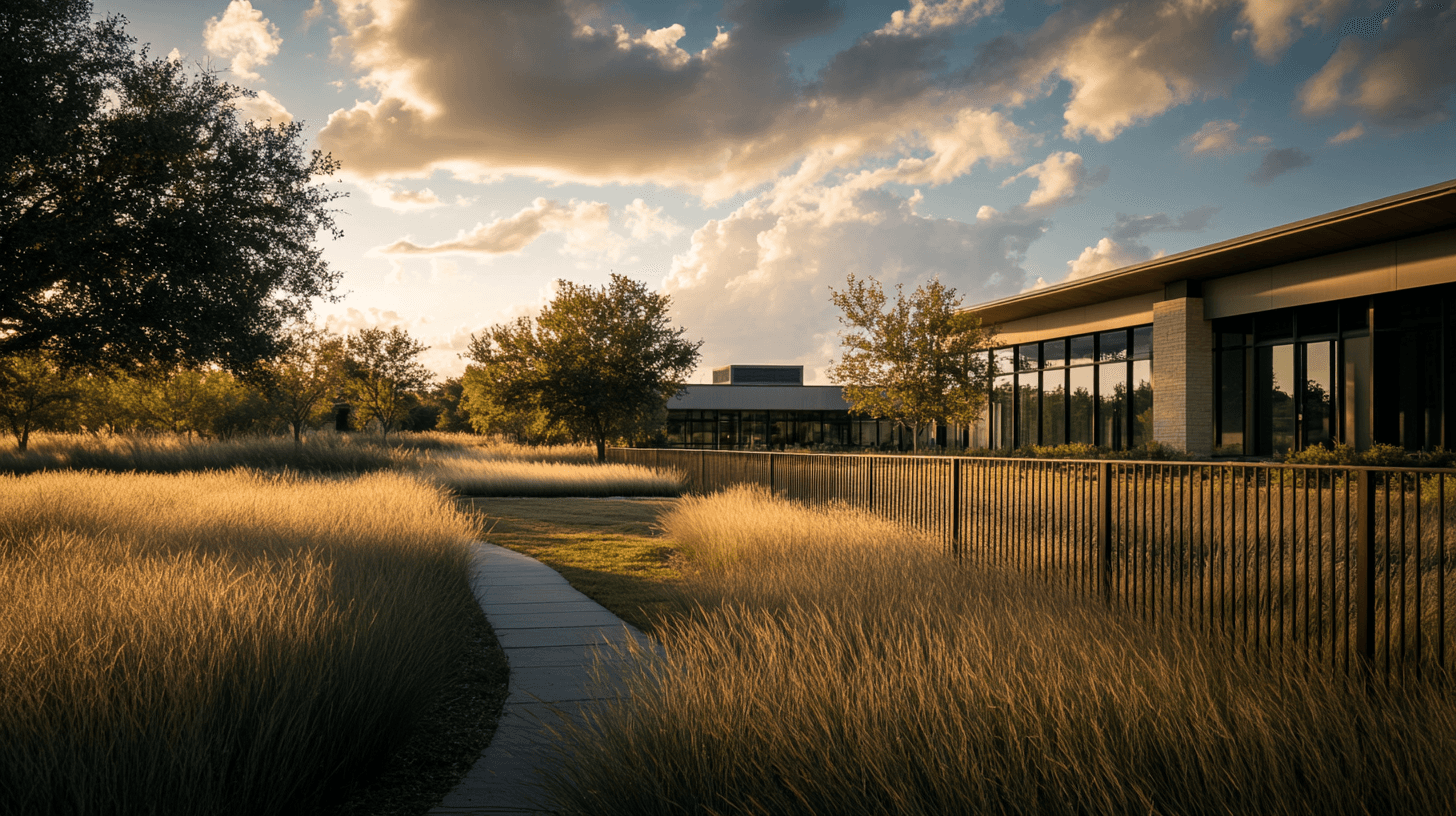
{"x": 400, "y": 200}
{"x": 1124, "y": 246}
{"x": 1058, "y": 179}
{"x": 1349, "y": 134}
{"x": 585, "y": 225}
{"x": 1132, "y": 227}
{"x": 930, "y": 15}
{"x": 1278, "y": 162}
{"x": 770, "y": 264}
{"x": 264, "y": 107}
{"x": 1400, "y": 77}
{"x": 1273, "y": 25}
{"x": 1106, "y": 256}
{"x": 646, "y": 223}
{"x": 1219, "y": 138}
{"x": 1125, "y": 62}
{"x": 459, "y": 87}
{"x": 243, "y": 35}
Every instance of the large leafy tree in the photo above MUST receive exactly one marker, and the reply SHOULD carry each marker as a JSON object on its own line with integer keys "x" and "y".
{"x": 910, "y": 360}
{"x": 384, "y": 372}
{"x": 141, "y": 220}
{"x": 602, "y": 362}
{"x": 35, "y": 394}
{"x": 309, "y": 372}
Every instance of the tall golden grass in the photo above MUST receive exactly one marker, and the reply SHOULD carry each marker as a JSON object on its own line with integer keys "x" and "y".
{"x": 467, "y": 463}
{"x": 219, "y": 643}
{"x": 475, "y": 475}
{"x": 835, "y": 663}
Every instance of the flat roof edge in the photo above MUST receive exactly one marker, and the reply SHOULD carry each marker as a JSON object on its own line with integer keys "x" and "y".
{"x": 1124, "y": 280}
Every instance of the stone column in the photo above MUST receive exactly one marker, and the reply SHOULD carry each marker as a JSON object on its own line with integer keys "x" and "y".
{"x": 1183, "y": 375}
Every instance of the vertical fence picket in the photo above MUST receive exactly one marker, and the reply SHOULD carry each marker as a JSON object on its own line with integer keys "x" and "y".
{"x": 1344, "y": 567}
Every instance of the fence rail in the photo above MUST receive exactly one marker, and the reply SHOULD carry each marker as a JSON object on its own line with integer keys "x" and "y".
{"x": 1347, "y": 566}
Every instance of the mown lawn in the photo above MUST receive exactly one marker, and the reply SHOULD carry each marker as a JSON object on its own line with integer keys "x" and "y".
{"x": 610, "y": 549}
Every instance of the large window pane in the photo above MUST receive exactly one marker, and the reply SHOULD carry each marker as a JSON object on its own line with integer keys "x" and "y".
{"x": 1142, "y": 402}
{"x": 1081, "y": 350}
{"x": 1318, "y": 397}
{"x": 1274, "y": 386}
{"x": 1112, "y": 346}
{"x": 1112, "y": 405}
{"x": 1002, "y": 416}
{"x": 1028, "y": 398}
{"x": 1082, "y": 398}
{"x": 1027, "y": 357}
{"x": 1002, "y": 361}
{"x": 1142, "y": 342}
{"x": 1054, "y": 353}
{"x": 1054, "y": 407}
{"x": 1231, "y": 402}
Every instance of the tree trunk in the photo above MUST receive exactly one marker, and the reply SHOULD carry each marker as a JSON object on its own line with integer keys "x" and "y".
{"x": 297, "y": 435}
{"x": 601, "y": 449}
{"x": 23, "y": 438}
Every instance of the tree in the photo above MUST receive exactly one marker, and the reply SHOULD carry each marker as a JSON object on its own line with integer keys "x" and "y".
{"x": 527, "y": 424}
{"x": 140, "y": 219}
{"x": 914, "y": 361}
{"x": 596, "y": 360}
{"x": 309, "y": 371}
{"x": 35, "y": 394}
{"x": 382, "y": 372}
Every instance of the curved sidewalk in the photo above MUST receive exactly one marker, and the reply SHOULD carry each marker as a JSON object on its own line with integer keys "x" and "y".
{"x": 551, "y": 635}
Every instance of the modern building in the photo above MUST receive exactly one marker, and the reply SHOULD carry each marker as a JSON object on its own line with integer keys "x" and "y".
{"x": 1338, "y": 328}
{"x": 765, "y": 407}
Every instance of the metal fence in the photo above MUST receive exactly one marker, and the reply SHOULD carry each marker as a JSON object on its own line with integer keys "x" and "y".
{"x": 1346, "y": 566}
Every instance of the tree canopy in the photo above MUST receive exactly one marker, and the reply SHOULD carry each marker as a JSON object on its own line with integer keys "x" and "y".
{"x": 603, "y": 362}
{"x": 912, "y": 362}
{"x": 383, "y": 370}
{"x": 141, "y": 221}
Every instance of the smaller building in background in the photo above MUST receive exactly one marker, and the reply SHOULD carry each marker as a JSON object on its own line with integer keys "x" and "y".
{"x": 768, "y": 407}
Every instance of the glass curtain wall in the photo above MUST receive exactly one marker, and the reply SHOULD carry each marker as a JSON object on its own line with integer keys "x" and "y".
{"x": 1284, "y": 379}
{"x": 1087, "y": 389}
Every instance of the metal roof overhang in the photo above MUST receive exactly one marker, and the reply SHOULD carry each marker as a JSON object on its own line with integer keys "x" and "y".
{"x": 1399, "y": 216}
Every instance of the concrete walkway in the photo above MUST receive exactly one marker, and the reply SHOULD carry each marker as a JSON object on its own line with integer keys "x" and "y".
{"x": 552, "y": 636}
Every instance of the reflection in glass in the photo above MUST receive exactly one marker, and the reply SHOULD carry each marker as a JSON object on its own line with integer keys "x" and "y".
{"x": 1002, "y": 426}
{"x": 1027, "y": 357}
{"x": 1054, "y": 353}
{"x": 1081, "y": 397}
{"x": 1028, "y": 409}
{"x": 1318, "y": 397}
{"x": 1001, "y": 361}
{"x": 1231, "y": 402}
{"x": 1054, "y": 407}
{"x": 1112, "y": 405}
{"x": 1112, "y": 345}
{"x": 1142, "y": 342}
{"x": 1274, "y": 384}
{"x": 1142, "y": 402}
{"x": 1081, "y": 350}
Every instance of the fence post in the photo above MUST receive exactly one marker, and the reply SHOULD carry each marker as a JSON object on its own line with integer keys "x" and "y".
{"x": 773, "y": 487}
{"x": 955, "y": 506}
{"x": 1104, "y": 529}
{"x": 1365, "y": 569}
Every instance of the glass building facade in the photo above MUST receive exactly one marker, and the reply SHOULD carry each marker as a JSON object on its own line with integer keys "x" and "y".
{"x": 779, "y": 430}
{"x": 1366, "y": 370}
{"x": 1094, "y": 389}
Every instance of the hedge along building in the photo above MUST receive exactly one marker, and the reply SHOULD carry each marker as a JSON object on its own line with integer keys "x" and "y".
{"x": 1337, "y": 328}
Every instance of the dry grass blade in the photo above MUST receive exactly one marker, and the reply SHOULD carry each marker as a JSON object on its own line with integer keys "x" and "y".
{"x": 217, "y": 643}
{"x": 828, "y": 662}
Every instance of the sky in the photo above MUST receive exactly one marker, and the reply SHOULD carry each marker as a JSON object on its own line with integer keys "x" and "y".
{"x": 745, "y": 157}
